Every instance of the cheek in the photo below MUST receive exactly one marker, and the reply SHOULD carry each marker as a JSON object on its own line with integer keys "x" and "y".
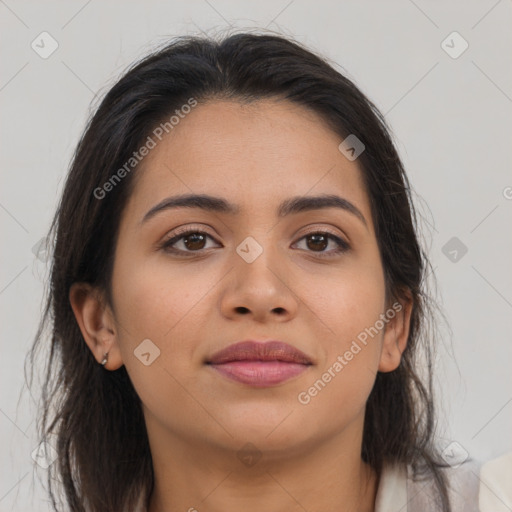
{"x": 339, "y": 389}
{"x": 152, "y": 298}
{"x": 154, "y": 302}
{"x": 349, "y": 309}
{"x": 167, "y": 305}
{"x": 349, "y": 300}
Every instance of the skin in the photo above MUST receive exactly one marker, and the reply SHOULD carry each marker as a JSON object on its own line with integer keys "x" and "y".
{"x": 255, "y": 155}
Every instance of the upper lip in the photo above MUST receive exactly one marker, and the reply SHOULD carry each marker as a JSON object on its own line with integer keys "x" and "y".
{"x": 250, "y": 350}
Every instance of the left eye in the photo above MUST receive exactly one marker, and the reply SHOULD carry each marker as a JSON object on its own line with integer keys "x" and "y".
{"x": 320, "y": 240}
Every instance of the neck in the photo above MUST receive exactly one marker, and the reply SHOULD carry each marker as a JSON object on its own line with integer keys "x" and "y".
{"x": 192, "y": 475}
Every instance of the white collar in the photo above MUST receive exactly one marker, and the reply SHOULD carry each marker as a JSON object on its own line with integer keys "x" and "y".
{"x": 392, "y": 491}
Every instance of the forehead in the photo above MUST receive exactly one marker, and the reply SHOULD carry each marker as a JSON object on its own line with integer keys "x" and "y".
{"x": 253, "y": 154}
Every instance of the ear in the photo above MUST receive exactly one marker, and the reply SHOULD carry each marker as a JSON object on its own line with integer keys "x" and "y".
{"x": 396, "y": 333}
{"x": 96, "y": 322}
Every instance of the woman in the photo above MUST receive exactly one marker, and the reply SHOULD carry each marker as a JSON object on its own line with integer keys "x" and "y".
{"x": 237, "y": 296}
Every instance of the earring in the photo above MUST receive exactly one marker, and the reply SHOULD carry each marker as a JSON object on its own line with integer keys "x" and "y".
{"x": 105, "y": 357}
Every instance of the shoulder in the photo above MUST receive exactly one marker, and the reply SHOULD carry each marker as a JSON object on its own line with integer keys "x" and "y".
{"x": 463, "y": 483}
{"x": 400, "y": 489}
{"x": 496, "y": 484}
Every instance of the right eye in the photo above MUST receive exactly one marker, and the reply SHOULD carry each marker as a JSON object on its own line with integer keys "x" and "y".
{"x": 191, "y": 240}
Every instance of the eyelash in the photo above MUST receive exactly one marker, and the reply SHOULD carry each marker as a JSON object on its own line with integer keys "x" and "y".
{"x": 167, "y": 244}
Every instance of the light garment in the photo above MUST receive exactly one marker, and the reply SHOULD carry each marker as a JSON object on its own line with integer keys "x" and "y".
{"x": 496, "y": 485}
{"x": 398, "y": 492}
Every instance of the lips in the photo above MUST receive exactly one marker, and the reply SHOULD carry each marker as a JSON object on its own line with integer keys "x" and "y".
{"x": 258, "y": 351}
{"x": 260, "y": 364}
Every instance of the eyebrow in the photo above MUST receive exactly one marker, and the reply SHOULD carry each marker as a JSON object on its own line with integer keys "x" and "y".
{"x": 287, "y": 207}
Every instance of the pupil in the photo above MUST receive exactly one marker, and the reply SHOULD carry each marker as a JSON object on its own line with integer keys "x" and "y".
{"x": 317, "y": 237}
{"x": 195, "y": 238}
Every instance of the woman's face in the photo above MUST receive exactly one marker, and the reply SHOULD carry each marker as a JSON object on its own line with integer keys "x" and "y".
{"x": 253, "y": 275}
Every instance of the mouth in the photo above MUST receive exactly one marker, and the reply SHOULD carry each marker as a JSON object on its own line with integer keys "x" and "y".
{"x": 260, "y": 364}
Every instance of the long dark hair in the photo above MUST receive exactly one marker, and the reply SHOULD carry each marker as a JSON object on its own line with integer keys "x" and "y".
{"x": 93, "y": 417}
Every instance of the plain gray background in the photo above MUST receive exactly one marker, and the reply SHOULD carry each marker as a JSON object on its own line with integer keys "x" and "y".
{"x": 451, "y": 116}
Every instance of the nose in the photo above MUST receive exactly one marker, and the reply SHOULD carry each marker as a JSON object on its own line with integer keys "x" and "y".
{"x": 260, "y": 289}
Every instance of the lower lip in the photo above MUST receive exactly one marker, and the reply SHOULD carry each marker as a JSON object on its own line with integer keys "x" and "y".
{"x": 260, "y": 373}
